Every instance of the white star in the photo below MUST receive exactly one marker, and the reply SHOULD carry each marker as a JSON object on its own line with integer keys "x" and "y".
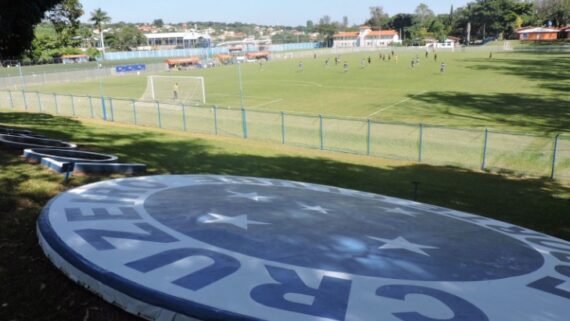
{"x": 401, "y": 243}
{"x": 399, "y": 210}
{"x": 319, "y": 208}
{"x": 240, "y": 221}
{"x": 251, "y": 196}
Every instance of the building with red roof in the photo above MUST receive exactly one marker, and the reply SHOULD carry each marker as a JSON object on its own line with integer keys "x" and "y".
{"x": 537, "y": 34}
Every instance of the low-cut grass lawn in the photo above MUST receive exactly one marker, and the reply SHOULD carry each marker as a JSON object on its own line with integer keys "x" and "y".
{"x": 523, "y": 91}
{"x": 33, "y": 289}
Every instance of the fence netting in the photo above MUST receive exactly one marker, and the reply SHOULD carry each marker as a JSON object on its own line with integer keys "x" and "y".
{"x": 534, "y": 155}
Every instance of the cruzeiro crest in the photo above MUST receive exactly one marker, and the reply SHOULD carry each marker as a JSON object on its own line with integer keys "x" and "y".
{"x": 250, "y": 248}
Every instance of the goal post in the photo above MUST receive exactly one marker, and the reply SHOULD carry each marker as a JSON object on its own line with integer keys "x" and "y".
{"x": 175, "y": 89}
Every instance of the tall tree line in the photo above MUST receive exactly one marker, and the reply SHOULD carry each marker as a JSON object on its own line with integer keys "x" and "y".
{"x": 486, "y": 19}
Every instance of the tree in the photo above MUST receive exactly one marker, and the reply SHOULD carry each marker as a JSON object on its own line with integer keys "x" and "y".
{"x": 378, "y": 18}
{"x": 495, "y": 18}
{"x": 423, "y": 13}
{"x": 555, "y": 11}
{"x": 127, "y": 38}
{"x": 65, "y": 19}
{"x": 310, "y": 26}
{"x": 100, "y": 17}
{"x": 327, "y": 29}
{"x": 17, "y": 21}
{"x": 325, "y": 20}
{"x": 158, "y": 23}
{"x": 450, "y": 19}
{"x": 401, "y": 23}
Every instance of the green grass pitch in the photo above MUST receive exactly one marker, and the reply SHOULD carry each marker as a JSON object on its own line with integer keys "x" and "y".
{"x": 514, "y": 91}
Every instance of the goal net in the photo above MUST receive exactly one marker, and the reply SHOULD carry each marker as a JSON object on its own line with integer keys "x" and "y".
{"x": 175, "y": 89}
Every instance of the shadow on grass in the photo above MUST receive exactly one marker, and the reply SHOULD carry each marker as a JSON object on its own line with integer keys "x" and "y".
{"x": 540, "y": 113}
{"x": 552, "y": 68}
{"x": 53, "y": 126}
{"x": 29, "y": 280}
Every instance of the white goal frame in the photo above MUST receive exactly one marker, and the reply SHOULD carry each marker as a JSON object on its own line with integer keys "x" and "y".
{"x": 151, "y": 78}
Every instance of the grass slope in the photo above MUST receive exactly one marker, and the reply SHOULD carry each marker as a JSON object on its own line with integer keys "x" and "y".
{"x": 32, "y": 289}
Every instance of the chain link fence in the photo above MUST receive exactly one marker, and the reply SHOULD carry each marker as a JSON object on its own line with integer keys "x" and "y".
{"x": 516, "y": 153}
{"x": 17, "y": 79}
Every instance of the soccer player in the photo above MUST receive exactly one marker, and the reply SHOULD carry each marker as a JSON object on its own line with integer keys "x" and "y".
{"x": 327, "y": 62}
{"x": 435, "y": 57}
{"x": 442, "y": 68}
{"x": 301, "y": 66}
{"x": 369, "y": 60}
{"x": 175, "y": 91}
{"x": 345, "y": 66}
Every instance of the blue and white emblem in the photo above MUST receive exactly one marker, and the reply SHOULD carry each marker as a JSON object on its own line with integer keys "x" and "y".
{"x": 222, "y": 247}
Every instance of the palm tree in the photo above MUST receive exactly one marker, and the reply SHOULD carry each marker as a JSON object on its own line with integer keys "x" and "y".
{"x": 99, "y": 17}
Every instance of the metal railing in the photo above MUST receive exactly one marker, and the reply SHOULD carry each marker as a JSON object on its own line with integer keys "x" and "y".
{"x": 480, "y": 149}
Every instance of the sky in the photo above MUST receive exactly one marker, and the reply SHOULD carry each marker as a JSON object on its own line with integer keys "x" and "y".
{"x": 264, "y": 12}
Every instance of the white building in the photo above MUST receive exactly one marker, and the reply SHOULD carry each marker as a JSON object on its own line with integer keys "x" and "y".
{"x": 174, "y": 40}
{"x": 449, "y": 43}
{"x": 366, "y": 38}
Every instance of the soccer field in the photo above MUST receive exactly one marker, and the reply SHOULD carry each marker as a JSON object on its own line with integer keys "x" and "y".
{"x": 514, "y": 91}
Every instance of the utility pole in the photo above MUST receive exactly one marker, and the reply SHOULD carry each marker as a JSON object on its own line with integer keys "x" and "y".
{"x": 468, "y": 33}
{"x": 240, "y": 86}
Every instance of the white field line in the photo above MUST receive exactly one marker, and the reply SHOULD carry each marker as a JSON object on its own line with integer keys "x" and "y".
{"x": 396, "y": 104}
{"x": 267, "y": 103}
{"x": 237, "y": 95}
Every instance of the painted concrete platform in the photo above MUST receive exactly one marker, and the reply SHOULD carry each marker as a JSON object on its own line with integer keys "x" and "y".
{"x": 24, "y": 142}
{"x": 236, "y": 248}
{"x": 67, "y": 155}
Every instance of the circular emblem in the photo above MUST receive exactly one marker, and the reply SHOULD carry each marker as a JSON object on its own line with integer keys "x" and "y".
{"x": 224, "y": 247}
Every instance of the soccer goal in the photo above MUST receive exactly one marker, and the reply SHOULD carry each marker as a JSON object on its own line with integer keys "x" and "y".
{"x": 175, "y": 89}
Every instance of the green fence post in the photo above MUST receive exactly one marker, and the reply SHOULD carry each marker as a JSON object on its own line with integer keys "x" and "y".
{"x": 283, "y": 128}
{"x": 91, "y": 106}
{"x": 134, "y": 105}
{"x": 56, "y": 104}
{"x": 244, "y": 122}
{"x": 111, "y": 109}
{"x": 421, "y": 143}
{"x": 369, "y": 138}
{"x": 39, "y": 101}
{"x": 158, "y": 114}
{"x": 321, "y": 134}
{"x": 554, "y": 156}
{"x": 103, "y": 108}
{"x": 25, "y": 100}
{"x": 215, "y": 120}
{"x": 183, "y": 117}
{"x": 11, "y": 99}
{"x": 72, "y": 105}
{"x": 485, "y": 142}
